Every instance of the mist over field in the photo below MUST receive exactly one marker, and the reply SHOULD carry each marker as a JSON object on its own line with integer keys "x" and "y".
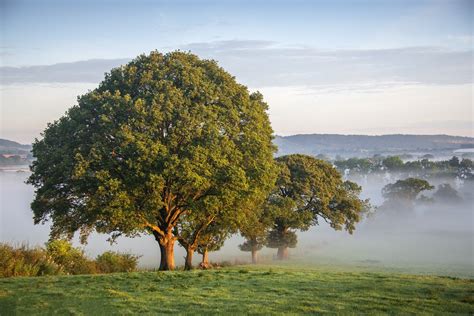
{"x": 433, "y": 237}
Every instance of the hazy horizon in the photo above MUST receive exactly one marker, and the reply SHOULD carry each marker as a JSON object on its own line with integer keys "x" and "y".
{"x": 290, "y": 135}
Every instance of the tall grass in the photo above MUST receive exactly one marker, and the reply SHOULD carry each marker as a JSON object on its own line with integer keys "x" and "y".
{"x": 60, "y": 257}
{"x": 26, "y": 261}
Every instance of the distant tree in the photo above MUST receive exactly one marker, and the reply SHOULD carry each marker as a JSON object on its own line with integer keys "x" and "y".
{"x": 282, "y": 240}
{"x": 446, "y": 193}
{"x": 189, "y": 232}
{"x": 454, "y": 162}
{"x": 161, "y": 137}
{"x": 393, "y": 163}
{"x": 255, "y": 230}
{"x": 212, "y": 239}
{"x": 356, "y": 165}
{"x": 405, "y": 192}
{"x": 467, "y": 163}
{"x": 253, "y": 245}
{"x": 307, "y": 190}
{"x": 465, "y": 170}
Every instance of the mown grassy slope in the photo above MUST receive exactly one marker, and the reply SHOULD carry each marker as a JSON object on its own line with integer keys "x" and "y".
{"x": 262, "y": 290}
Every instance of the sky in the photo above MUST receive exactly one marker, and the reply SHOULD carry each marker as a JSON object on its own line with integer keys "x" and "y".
{"x": 347, "y": 67}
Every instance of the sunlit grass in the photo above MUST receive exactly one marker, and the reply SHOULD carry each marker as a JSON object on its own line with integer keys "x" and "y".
{"x": 243, "y": 289}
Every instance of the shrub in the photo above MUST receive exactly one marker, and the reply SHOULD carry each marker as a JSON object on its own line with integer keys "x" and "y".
{"x": 25, "y": 261}
{"x": 111, "y": 261}
{"x": 60, "y": 257}
{"x": 72, "y": 260}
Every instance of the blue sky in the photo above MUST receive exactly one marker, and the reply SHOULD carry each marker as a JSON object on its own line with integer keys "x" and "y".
{"x": 311, "y": 59}
{"x": 46, "y": 32}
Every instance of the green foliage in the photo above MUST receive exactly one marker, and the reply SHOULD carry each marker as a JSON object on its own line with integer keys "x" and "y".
{"x": 213, "y": 237}
{"x": 356, "y": 165}
{"x": 465, "y": 171}
{"x": 393, "y": 163}
{"x": 161, "y": 136}
{"x": 454, "y": 162}
{"x": 111, "y": 261}
{"x": 255, "y": 227}
{"x": 26, "y": 261}
{"x": 280, "y": 238}
{"x": 408, "y": 189}
{"x": 252, "y": 245}
{"x": 424, "y": 168}
{"x": 308, "y": 190}
{"x": 72, "y": 260}
{"x": 60, "y": 257}
{"x": 265, "y": 290}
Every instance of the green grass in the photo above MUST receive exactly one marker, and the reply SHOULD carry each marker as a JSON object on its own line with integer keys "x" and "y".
{"x": 244, "y": 289}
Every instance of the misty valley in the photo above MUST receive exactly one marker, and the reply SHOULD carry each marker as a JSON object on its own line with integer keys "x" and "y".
{"x": 168, "y": 188}
{"x": 430, "y": 232}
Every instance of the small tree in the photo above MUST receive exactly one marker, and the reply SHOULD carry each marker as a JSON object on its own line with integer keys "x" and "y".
{"x": 403, "y": 194}
{"x": 465, "y": 169}
{"x": 255, "y": 229}
{"x": 393, "y": 163}
{"x": 406, "y": 190}
{"x": 212, "y": 239}
{"x": 282, "y": 239}
{"x": 454, "y": 162}
{"x": 307, "y": 190}
{"x": 189, "y": 232}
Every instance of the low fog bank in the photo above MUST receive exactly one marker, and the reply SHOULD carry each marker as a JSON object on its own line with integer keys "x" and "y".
{"x": 436, "y": 236}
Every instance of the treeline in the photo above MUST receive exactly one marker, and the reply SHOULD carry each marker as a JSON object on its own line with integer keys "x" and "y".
{"x": 59, "y": 257}
{"x": 454, "y": 167}
{"x": 404, "y": 194}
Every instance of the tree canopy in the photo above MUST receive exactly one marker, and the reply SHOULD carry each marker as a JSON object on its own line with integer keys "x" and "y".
{"x": 255, "y": 228}
{"x": 163, "y": 136}
{"x": 309, "y": 190}
{"x": 407, "y": 189}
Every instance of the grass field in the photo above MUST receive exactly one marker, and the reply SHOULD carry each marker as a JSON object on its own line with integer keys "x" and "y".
{"x": 243, "y": 289}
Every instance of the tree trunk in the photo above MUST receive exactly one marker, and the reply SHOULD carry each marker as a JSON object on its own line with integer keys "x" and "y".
{"x": 162, "y": 257}
{"x": 205, "y": 259}
{"x": 167, "y": 242}
{"x": 254, "y": 255}
{"x": 282, "y": 253}
{"x": 188, "y": 265}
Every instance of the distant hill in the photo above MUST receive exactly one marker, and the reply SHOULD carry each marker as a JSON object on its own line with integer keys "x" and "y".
{"x": 11, "y": 147}
{"x": 5, "y": 143}
{"x": 364, "y": 145}
{"x": 335, "y": 144}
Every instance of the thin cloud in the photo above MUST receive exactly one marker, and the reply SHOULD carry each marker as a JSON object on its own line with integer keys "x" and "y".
{"x": 87, "y": 71}
{"x": 259, "y": 63}
{"x": 267, "y": 64}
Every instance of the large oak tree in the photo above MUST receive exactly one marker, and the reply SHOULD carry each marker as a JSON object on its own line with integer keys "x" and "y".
{"x": 161, "y": 137}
